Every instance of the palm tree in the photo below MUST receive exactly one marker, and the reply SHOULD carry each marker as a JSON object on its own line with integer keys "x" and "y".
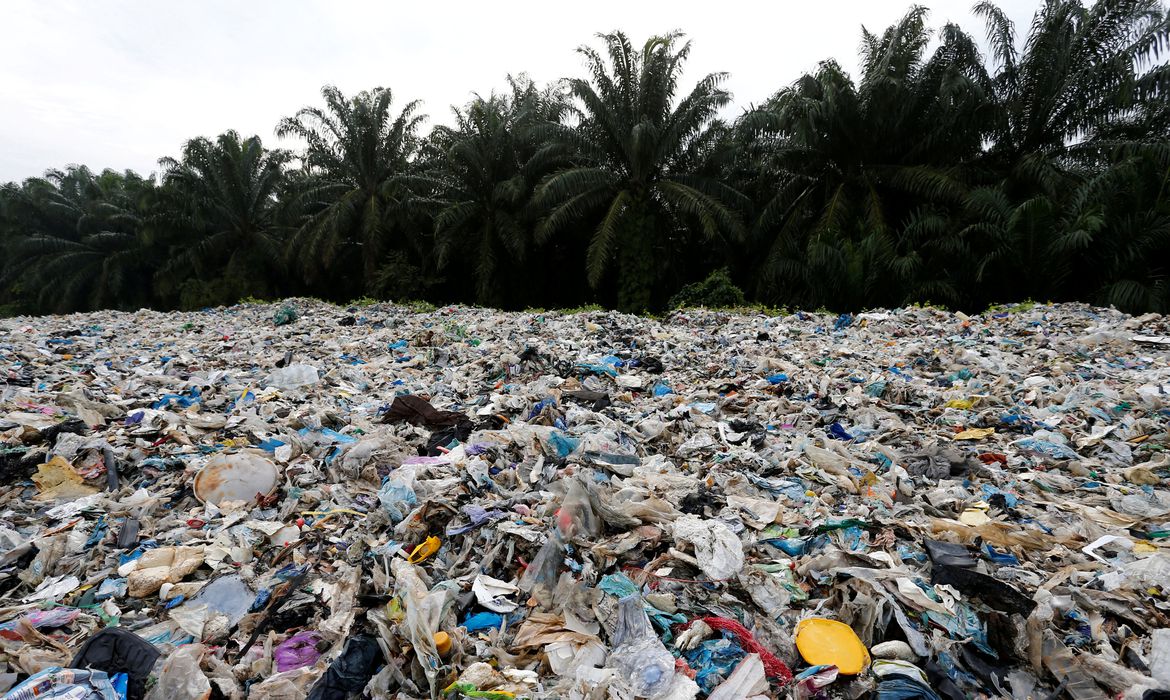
{"x": 635, "y": 182}
{"x": 1083, "y": 98}
{"x": 1125, "y": 239}
{"x": 223, "y": 195}
{"x": 860, "y": 170}
{"x": 352, "y": 192}
{"x": 76, "y": 240}
{"x": 486, "y": 168}
{"x": 1085, "y": 78}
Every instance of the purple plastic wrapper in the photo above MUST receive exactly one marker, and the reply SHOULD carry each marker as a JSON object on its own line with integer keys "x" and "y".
{"x": 297, "y": 651}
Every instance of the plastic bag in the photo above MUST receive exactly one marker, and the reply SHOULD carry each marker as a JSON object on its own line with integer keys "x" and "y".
{"x": 540, "y": 578}
{"x": 297, "y": 651}
{"x": 397, "y": 495}
{"x": 351, "y": 671}
{"x": 424, "y": 612}
{"x": 284, "y": 315}
{"x": 119, "y": 652}
{"x": 493, "y": 593}
{"x": 717, "y": 548}
{"x": 56, "y": 479}
{"x": 228, "y": 595}
{"x": 899, "y": 687}
{"x": 746, "y": 681}
{"x": 285, "y": 686}
{"x": 1061, "y": 663}
{"x": 562, "y": 444}
{"x": 181, "y": 676}
{"x": 38, "y": 619}
{"x": 638, "y": 654}
{"x": 576, "y": 517}
{"x": 1160, "y": 656}
{"x": 292, "y": 377}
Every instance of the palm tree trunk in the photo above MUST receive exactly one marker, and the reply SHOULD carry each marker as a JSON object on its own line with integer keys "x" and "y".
{"x": 637, "y": 268}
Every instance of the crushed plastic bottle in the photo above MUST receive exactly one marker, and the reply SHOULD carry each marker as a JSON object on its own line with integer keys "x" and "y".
{"x": 1064, "y": 667}
{"x": 638, "y": 654}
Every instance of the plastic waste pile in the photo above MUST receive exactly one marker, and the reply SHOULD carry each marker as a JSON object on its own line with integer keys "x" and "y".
{"x": 309, "y": 501}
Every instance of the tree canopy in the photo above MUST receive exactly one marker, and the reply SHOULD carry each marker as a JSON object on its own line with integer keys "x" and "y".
{"x": 956, "y": 167}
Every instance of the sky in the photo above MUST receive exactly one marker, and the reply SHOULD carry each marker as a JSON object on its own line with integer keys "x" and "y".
{"x": 121, "y": 83}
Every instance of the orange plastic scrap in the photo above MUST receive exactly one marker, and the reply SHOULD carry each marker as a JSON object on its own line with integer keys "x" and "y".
{"x": 821, "y": 641}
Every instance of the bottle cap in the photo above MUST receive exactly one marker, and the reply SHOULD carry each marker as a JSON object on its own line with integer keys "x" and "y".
{"x": 443, "y": 643}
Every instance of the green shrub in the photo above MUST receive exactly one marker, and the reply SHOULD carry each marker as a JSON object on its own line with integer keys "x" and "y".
{"x": 717, "y": 291}
{"x": 398, "y": 278}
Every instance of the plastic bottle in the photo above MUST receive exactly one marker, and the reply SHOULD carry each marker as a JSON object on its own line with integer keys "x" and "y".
{"x": 1063, "y": 666}
{"x": 638, "y": 654}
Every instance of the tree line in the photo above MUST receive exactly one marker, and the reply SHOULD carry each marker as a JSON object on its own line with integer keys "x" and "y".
{"x": 937, "y": 174}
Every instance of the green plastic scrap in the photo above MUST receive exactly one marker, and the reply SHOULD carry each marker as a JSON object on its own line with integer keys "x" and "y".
{"x": 774, "y": 531}
{"x": 284, "y": 316}
{"x": 468, "y": 690}
{"x": 841, "y": 525}
{"x": 783, "y": 572}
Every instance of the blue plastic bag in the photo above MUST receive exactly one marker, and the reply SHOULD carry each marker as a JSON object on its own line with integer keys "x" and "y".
{"x": 563, "y": 444}
{"x": 397, "y": 496}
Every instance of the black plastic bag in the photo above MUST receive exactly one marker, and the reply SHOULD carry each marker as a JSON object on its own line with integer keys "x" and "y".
{"x": 351, "y": 671}
{"x": 116, "y": 650}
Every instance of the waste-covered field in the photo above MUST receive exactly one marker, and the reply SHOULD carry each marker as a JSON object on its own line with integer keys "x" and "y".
{"x": 304, "y": 500}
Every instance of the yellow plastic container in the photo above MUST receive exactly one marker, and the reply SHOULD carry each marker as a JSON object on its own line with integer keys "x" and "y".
{"x": 422, "y": 552}
{"x": 822, "y": 641}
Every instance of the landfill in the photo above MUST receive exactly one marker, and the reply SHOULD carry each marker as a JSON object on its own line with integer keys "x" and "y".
{"x": 301, "y": 500}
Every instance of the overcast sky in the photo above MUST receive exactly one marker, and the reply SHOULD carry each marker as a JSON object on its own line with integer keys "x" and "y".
{"x": 121, "y": 83}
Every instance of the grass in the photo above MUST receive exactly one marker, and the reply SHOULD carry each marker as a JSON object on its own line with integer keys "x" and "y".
{"x": 418, "y": 306}
{"x": 586, "y": 309}
{"x": 1025, "y": 305}
{"x": 928, "y": 304}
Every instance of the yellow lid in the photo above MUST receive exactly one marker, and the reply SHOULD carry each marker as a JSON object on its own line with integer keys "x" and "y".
{"x": 822, "y": 641}
{"x": 442, "y": 643}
